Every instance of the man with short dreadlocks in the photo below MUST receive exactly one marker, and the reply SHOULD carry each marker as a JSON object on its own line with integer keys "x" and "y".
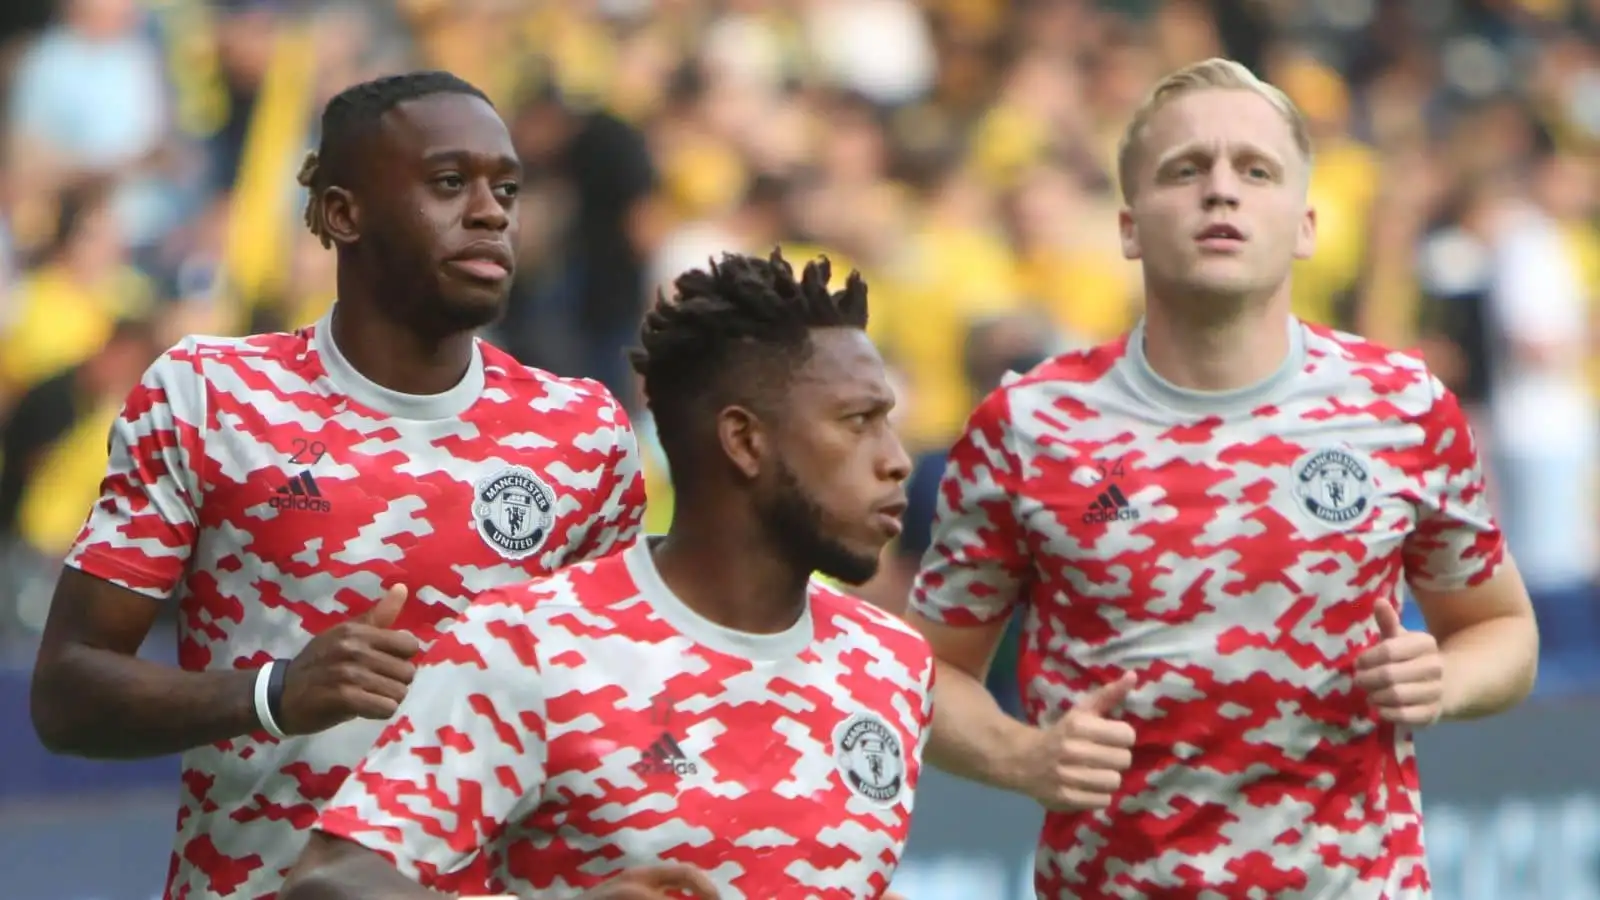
{"x": 696, "y": 699}
{"x": 316, "y": 505}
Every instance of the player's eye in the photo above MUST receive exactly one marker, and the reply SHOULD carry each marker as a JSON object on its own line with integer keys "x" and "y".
{"x": 508, "y": 189}
{"x": 1259, "y": 173}
{"x": 450, "y": 182}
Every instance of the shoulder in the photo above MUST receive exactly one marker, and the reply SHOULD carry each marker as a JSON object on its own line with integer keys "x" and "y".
{"x": 1073, "y": 373}
{"x": 868, "y": 621}
{"x": 593, "y": 584}
{"x": 204, "y": 354}
{"x": 1370, "y": 377}
{"x": 521, "y": 384}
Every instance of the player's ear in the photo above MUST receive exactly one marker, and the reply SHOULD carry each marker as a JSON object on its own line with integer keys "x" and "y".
{"x": 1130, "y": 234}
{"x": 341, "y": 215}
{"x": 743, "y": 438}
{"x": 1305, "y": 239}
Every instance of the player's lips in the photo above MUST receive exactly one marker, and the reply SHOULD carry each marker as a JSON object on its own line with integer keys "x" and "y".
{"x": 890, "y": 517}
{"x": 1221, "y": 237}
{"x": 484, "y": 261}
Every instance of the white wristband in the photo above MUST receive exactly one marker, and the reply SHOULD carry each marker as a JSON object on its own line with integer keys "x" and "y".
{"x": 263, "y": 708}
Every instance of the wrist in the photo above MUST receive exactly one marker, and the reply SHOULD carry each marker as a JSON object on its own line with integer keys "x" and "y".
{"x": 268, "y": 695}
{"x": 1017, "y": 745}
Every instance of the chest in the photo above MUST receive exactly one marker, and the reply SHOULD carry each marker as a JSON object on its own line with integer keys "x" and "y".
{"x": 332, "y": 505}
{"x": 759, "y": 779}
{"x": 1178, "y": 521}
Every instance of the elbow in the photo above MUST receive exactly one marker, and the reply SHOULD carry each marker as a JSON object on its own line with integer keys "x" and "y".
{"x": 1523, "y": 687}
{"x": 302, "y": 884}
{"x": 49, "y": 709}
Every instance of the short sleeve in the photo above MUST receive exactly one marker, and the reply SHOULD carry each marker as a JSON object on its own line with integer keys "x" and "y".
{"x": 1456, "y": 542}
{"x": 462, "y": 754}
{"x": 141, "y": 532}
{"x": 975, "y": 569}
{"x": 621, "y": 495}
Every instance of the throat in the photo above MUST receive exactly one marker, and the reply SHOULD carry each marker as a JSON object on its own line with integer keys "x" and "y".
{"x": 740, "y": 588}
{"x": 398, "y": 358}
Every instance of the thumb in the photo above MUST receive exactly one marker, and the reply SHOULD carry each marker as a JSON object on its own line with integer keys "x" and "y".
{"x": 1106, "y": 698}
{"x": 1388, "y": 620}
{"x": 385, "y": 611}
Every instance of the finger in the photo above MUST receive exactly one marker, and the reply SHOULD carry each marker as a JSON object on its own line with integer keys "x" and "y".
{"x": 1408, "y": 694}
{"x": 1388, "y": 618}
{"x": 1414, "y": 716}
{"x": 387, "y": 609}
{"x": 363, "y": 704}
{"x": 1106, "y": 698}
{"x": 1091, "y": 781}
{"x": 396, "y": 644}
{"x": 1099, "y": 756}
{"x": 681, "y": 878}
{"x": 1105, "y": 732}
{"x": 1073, "y": 800}
{"x": 373, "y": 683}
{"x": 386, "y": 666}
{"x": 1423, "y": 667}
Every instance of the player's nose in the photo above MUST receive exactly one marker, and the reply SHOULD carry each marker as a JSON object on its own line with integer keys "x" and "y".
{"x": 484, "y": 209}
{"x": 895, "y": 462}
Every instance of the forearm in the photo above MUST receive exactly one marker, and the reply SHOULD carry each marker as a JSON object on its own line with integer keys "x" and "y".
{"x": 1489, "y": 667}
{"x": 972, "y": 736}
{"x": 105, "y": 705}
{"x": 358, "y": 877}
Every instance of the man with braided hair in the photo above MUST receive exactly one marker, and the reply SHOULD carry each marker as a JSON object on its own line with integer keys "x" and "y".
{"x": 694, "y": 714}
{"x": 316, "y": 505}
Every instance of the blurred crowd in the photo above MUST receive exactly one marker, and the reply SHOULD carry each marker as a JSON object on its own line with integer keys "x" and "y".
{"x": 959, "y": 153}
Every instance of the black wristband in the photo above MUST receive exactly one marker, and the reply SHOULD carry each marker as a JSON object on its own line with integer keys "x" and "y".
{"x": 280, "y": 671}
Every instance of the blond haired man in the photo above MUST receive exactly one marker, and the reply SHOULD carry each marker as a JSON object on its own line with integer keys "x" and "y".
{"x": 1209, "y": 523}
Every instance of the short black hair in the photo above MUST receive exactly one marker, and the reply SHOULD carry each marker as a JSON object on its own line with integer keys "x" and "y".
{"x": 351, "y": 116}
{"x": 733, "y": 333}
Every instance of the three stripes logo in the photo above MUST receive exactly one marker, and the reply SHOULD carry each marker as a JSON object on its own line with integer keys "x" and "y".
{"x": 664, "y": 757}
{"x": 1111, "y": 506}
{"x": 300, "y": 493}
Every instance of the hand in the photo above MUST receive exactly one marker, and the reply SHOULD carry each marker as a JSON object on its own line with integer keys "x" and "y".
{"x": 1077, "y": 762}
{"x": 1403, "y": 674}
{"x": 356, "y": 669}
{"x": 655, "y": 883}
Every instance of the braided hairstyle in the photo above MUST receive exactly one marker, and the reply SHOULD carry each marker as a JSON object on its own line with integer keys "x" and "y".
{"x": 352, "y": 116}
{"x": 734, "y": 333}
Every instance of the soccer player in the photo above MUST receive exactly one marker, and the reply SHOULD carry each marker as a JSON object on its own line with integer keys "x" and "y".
{"x": 696, "y": 701}
{"x": 1210, "y": 523}
{"x": 269, "y": 490}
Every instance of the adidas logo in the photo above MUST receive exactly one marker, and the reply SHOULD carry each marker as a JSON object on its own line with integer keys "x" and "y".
{"x": 300, "y": 493}
{"x": 1110, "y": 506}
{"x": 664, "y": 757}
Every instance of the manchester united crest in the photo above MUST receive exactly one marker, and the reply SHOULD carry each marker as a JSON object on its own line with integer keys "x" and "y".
{"x": 514, "y": 511}
{"x": 1334, "y": 486}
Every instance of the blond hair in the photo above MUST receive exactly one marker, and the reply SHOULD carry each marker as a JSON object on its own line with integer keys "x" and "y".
{"x": 1215, "y": 74}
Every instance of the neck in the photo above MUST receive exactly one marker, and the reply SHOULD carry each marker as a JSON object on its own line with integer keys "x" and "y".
{"x": 1219, "y": 350}
{"x": 394, "y": 355}
{"x": 730, "y": 575}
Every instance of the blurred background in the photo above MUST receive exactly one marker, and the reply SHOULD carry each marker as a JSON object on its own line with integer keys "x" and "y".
{"x": 958, "y": 152}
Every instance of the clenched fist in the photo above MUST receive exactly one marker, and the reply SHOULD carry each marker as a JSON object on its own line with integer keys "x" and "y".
{"x": 1403, "y": 674}
{"x": 356, "y": 669}
{"x": 1076, "y": 763}
{"x": 655, "y": 883}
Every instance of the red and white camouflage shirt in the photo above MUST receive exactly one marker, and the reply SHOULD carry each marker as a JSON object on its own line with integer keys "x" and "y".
{"x": 588, "y": 723}
{"x": 1230, "y": 549}
{"x": 269, "y": 492}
